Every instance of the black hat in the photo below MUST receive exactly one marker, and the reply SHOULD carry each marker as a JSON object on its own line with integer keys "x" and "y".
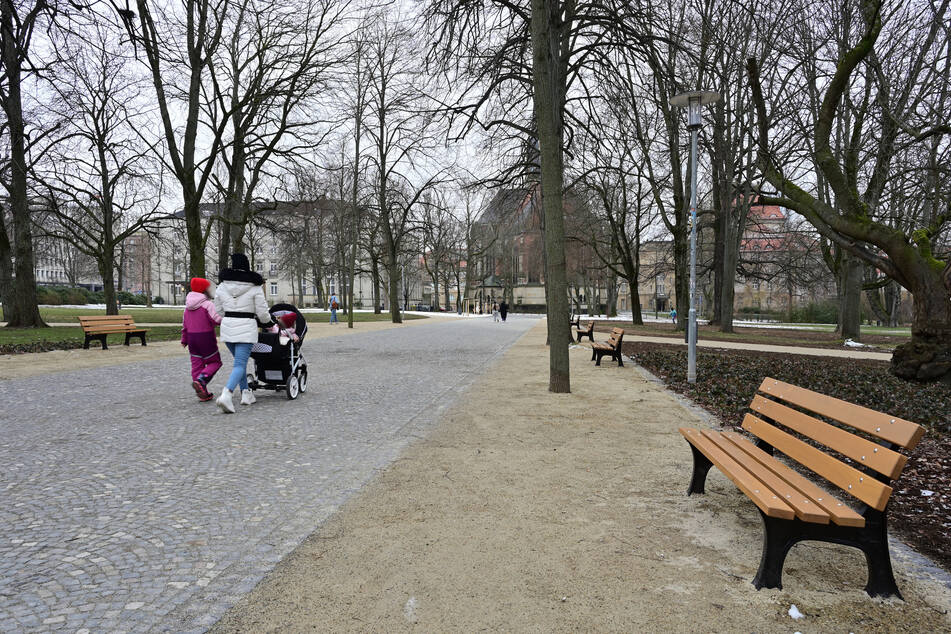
{"x": 239, "y": 262}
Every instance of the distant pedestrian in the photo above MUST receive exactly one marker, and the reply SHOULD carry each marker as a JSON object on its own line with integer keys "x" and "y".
{"x": 334, "y": 306}
{"x": 198, "y": 335}
{"x": 240, "y": 300}
{"x": 495, "y": 311}
{"x": 673, "y": 315}
{"x": 503, "y": 309}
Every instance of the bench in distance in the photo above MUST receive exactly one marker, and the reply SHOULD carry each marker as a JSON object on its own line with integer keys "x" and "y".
{"x": 610, "y": 347}
{"x": 100, "y": 326}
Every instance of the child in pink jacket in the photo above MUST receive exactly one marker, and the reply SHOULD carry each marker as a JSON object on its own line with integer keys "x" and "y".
{"x": 198, "y": 335}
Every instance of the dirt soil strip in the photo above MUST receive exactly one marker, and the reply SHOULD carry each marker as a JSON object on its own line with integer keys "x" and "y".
{"x": 527, "y": 511}
{"x": 18, "y": 366}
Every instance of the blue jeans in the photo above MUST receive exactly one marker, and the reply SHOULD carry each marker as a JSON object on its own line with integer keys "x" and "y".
{"x": 333, "y": 315}
{"x": 239, "y": 374}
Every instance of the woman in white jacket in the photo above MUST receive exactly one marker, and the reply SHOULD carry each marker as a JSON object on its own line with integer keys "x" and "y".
{"x": 240, "y": 300}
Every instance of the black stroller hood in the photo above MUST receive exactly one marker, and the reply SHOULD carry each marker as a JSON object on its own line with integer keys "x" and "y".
{"x": 300, "y": 325}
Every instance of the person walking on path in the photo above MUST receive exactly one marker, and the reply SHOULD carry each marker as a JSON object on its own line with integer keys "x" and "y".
{"x": 503, "y": 310}
{"x": 334, "y": 305}
{"x": 495, "y": 311}
{"x": 673, "y": 315}
{"x": 241, "y": 302}
{"x": 198, "y": 335}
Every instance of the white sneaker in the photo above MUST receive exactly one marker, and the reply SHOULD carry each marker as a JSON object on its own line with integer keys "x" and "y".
{"x": 247, "y": 397}
{"x": 224, "y": 402}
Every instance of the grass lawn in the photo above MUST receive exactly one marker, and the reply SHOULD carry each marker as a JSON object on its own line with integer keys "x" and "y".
{"x": 17, "y": 340}
{"x": 807, "y": 337}
{"x": 159, "y": 315}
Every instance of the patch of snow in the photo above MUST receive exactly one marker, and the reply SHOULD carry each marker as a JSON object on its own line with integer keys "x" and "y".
{"x": 927, "y": 493}
{"x": 795, "y": 613}
{"x": 409, "y": 610}
{"x": 854, "y": 344}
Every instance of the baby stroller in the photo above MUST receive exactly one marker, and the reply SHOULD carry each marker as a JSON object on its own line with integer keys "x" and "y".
{"x": 278, "y": 361}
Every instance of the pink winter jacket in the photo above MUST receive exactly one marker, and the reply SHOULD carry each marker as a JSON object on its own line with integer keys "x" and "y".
{"x": 200, "y": 315}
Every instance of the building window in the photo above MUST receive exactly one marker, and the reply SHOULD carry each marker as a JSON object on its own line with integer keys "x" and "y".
{"x": 273, "y": 268}
{"x": 659, "y": 285}
{"x": 756, "y": 285}
{"x": 273, "y": 288}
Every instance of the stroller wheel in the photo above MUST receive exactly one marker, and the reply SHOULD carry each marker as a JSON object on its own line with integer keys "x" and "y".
{"x": 293, "y": 387}
{"x": 302, "y": 380}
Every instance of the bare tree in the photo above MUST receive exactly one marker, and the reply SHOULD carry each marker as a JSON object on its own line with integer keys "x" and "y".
{"x": 401, "y": 131}
{"x": 100, "y": 183}
{"x": 893, "y": 71}
{"x": 266, "y": 77}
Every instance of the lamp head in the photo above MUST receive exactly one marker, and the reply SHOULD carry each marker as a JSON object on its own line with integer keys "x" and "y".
{"x": 693, "y": 101}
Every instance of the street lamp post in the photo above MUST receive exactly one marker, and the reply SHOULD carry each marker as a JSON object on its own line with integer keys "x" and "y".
{"x": 693, "y": 100}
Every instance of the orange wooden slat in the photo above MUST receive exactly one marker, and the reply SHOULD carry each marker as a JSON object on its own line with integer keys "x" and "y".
{"x": 841, "y": 513}
{"x": 761, "y": 495}
{"x": 849, "y": 479}
{"x": 891, "y": 428}
{"x": 806, "y": 509}
{"x": 863, "y": 451}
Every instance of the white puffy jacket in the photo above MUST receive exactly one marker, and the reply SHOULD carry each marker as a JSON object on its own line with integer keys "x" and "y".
{"x": 241, "y": 297}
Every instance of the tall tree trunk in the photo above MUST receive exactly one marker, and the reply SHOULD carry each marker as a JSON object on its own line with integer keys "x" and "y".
{"x": 681, "y": 276}
{"x": 928, "y": 355}
{"x": 6, "y": 272}
{"x": 612, "y": 295}
{"x": 851, "y": 272}
{"x": 393, "y": 273}
{"x": 26, "y": 312}
{"x": 636, "y": 317}
{"x": 107, "y": 266}
{"x": 727, "y": 285}
{"x": 375, "y": 280}
{"x": 196, "y": 242}
{"x": 549, "y": 91}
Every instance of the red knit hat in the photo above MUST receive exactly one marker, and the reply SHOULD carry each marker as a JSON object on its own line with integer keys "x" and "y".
{"x": 288, "y": 319}
{"x": 200, "y": 284}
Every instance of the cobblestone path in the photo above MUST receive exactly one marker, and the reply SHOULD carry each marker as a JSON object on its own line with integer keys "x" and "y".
{"x": 127, "y": 505}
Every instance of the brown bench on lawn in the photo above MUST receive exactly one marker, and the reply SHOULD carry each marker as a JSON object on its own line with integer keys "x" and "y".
{"x": 612, "y": 347}
{"x": 587, "y": 332}
{"x": 794, "y": 508}
{"x": 99, "y": 326}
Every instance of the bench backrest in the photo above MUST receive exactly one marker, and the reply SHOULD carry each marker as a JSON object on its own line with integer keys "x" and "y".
{"x": 868, "y": 448}
{"x": 617, "y": 335}
{"x": 106, "y": 322}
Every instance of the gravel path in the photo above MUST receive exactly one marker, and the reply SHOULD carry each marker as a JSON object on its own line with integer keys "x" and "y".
{"x": 129, "y": 506}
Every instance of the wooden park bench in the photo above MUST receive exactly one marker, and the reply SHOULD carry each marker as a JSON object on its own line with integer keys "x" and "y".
{"x": 612, "y": 347}
{"x": 574, "y": 320}
{"x": 861, "y": 463}
{"x": 587, "y": 332}
{"x": 100, "y": 326}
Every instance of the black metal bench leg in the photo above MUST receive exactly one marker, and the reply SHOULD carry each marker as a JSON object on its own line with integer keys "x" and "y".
{"x": 620, "y": 363}
{"x": 89, "y": 338}
{"x": 594, "y": 354}
{"x": 873, "y": 541}
{"x": 701, "y": 465}
{"x": 599, "y": 355}
{"x": 778, "y": 537}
